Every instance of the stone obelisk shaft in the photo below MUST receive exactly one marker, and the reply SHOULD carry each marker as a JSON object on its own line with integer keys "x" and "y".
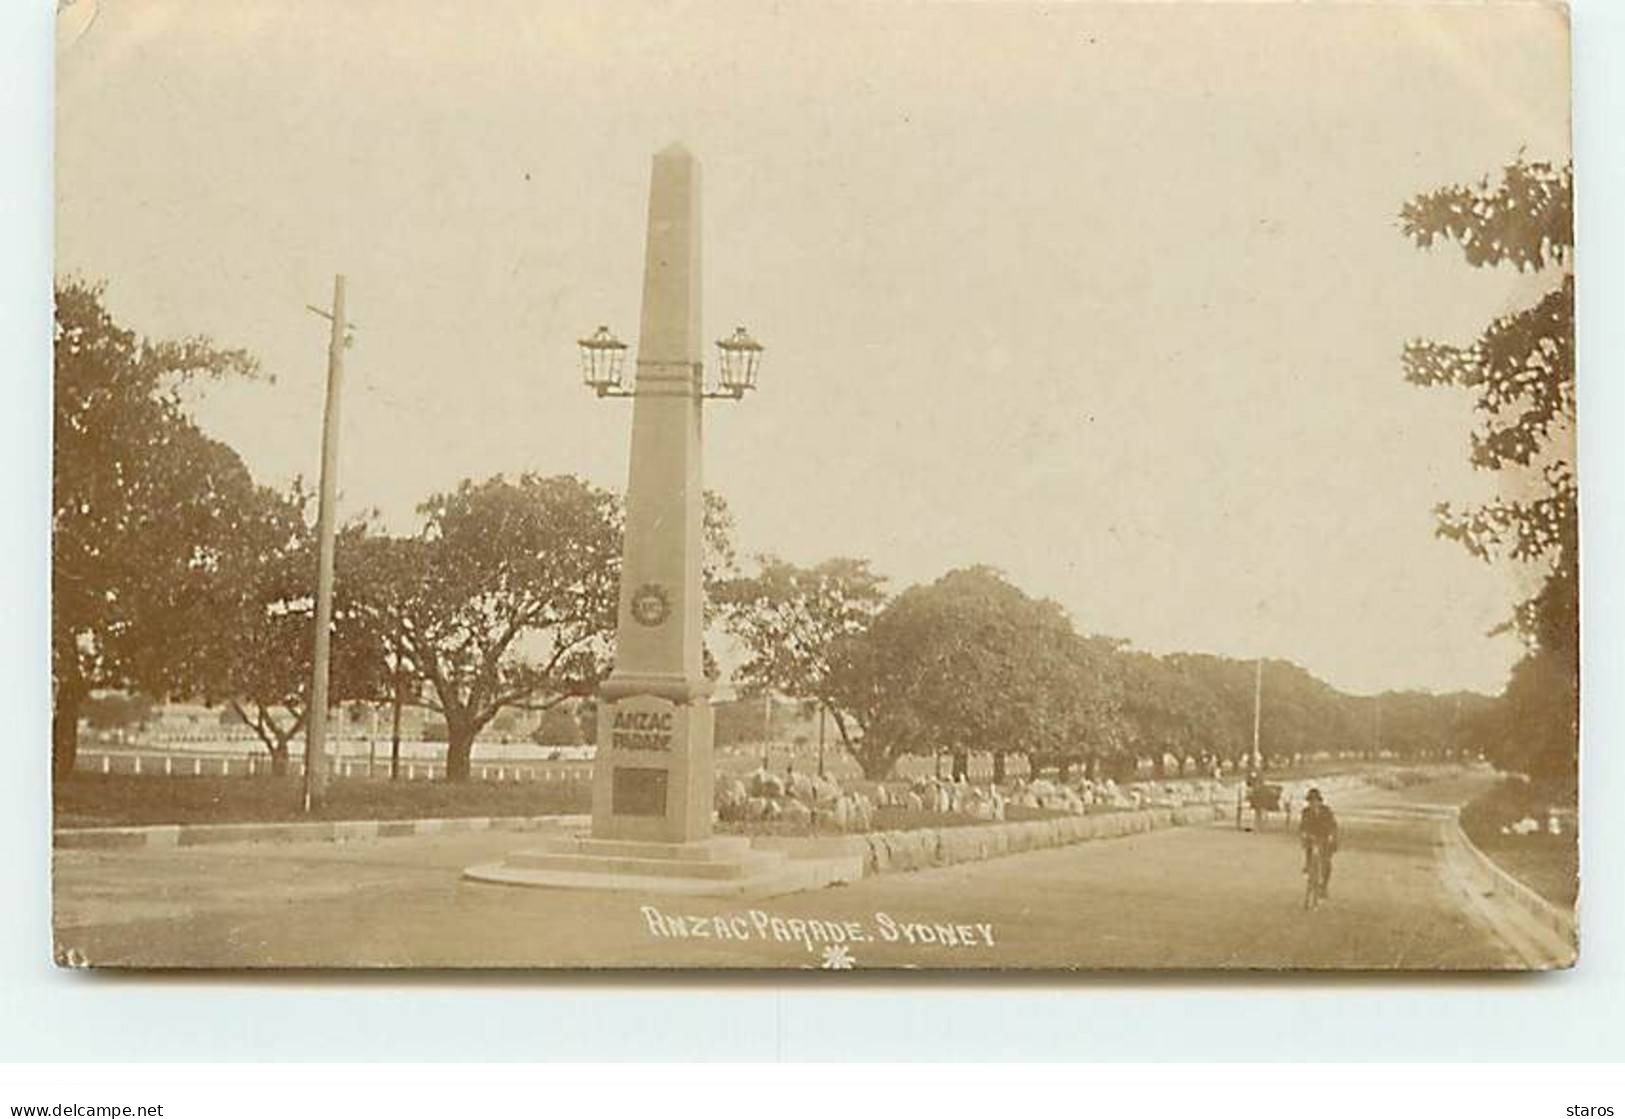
{"x": 653, "y": 778}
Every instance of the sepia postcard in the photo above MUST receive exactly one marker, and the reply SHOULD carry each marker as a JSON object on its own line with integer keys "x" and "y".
{"x": 820, "y": 485}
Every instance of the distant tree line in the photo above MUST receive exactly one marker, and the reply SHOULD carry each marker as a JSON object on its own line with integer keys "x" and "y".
{"x": 970, "y": 664}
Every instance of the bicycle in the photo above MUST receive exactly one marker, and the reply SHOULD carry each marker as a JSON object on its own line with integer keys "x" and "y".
{"x": 1317, "y": 873}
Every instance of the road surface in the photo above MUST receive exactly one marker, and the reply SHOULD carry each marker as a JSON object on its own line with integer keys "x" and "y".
{"x": 1193, "y": 898}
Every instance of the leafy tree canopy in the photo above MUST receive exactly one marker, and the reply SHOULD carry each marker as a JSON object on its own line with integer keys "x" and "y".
{"x": 506, "y": 599}
{"x": 143, "y": 505}
{"x": 971, "y": 663}
{"x": 1521, "y": 371}
{"x": 261, "y": 615}
{"x": 791, "y": 619}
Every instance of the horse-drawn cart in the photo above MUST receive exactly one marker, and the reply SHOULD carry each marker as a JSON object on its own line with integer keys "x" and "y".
{"x": 1262, "y": 798}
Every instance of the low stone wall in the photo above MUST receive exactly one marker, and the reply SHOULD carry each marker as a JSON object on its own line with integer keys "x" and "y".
{"x": 917, "y": 849}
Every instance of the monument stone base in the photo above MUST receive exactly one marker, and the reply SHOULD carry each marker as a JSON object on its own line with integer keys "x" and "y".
{"x": 723, "y": 866}
{"x": 652, "y": 773}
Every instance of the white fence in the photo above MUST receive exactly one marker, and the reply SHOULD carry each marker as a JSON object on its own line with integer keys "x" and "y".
{"x": 153, "y": 763}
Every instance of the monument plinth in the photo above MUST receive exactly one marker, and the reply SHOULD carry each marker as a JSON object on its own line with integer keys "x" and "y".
{"x": 653, "y": 776}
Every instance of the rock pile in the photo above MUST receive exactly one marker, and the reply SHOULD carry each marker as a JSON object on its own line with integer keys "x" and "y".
{"x": 1074, "y": 798}
{"x": 799, "y": 800}
{"x": 805, "y": 800}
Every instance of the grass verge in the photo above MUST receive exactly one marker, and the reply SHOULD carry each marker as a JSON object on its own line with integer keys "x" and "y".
{"x": 111, "y": 800}
{"x": 1548, "y": 864}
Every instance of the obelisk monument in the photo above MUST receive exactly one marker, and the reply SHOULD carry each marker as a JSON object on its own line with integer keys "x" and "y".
{"x": 653, "y": 775}
{"x": 652, "y": 780}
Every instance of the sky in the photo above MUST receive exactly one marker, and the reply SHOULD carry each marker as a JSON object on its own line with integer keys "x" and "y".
{"x": 1111, "y": 297}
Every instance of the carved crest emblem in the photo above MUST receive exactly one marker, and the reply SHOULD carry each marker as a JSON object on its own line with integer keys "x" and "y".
{"x": 651, "y": 605}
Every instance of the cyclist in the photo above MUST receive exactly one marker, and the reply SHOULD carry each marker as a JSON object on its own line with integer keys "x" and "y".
{"x": 1317, "y": 824}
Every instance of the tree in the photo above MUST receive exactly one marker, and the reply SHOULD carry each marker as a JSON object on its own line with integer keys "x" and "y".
{"x": 719, "y": 562}
{"x": 507, "y": 599}
{"x": 1420, "y": 725}
{"x": 1521, "y": 370}
{"x": 587, "y": 719}
{"x": 1530, "y": 730}
{"x": 791, "y": 621}
{"x": 970, "y": 663}
{"x": 1079, "y": 712}
{"x": 741, "y": 720}
{"x": 261, "y": 619}
{"x": 261, "y": 624}
{"x": 1170, "y": 706}
{"x": 142, "y": 504}
{"x": 1202, "y": 705}
{"x": 381, "y": 577}
{"x": 117, "y": 710}
{"x": 557, "y": 727}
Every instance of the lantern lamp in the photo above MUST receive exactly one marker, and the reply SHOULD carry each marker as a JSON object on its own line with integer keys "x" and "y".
{"x": 603, "y": 357}
{"x": 741, "y": 359}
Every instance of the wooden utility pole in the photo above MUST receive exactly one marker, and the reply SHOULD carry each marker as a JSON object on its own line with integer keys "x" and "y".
{"x": 767, "y": 719}
{"x": 1258, "y": 712}
{"x": 395, "y": 721}
{"x": 316, "y": 726}
{"x": 1455, "y": 750}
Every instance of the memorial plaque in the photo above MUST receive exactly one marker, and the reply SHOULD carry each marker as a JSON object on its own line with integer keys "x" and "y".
{"x": 639, "y": 791}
